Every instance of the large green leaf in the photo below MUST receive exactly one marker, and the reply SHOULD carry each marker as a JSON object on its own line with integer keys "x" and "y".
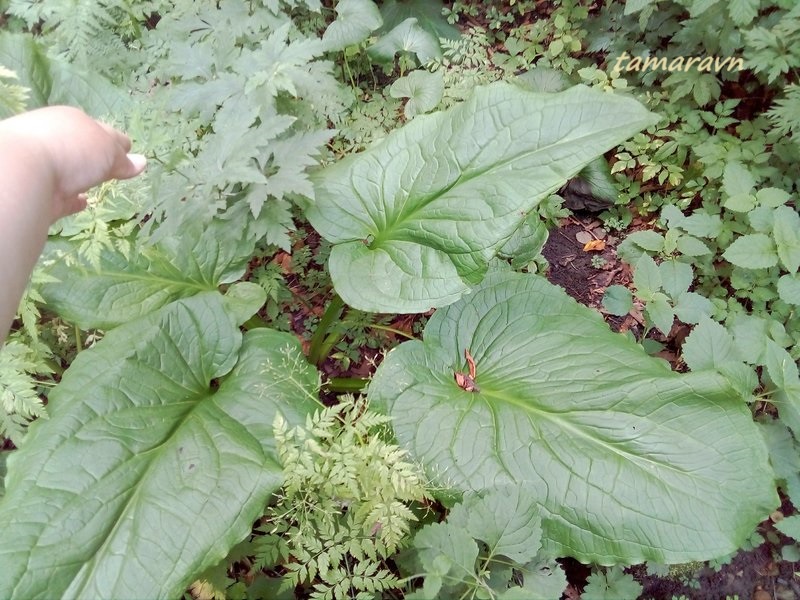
{"x": 126, "y": 287}
{"x": 355, "y": 20}
{"x": 427, "y": 12}
{"x": 630, "y": 461}
{"x": 416, "y": 219}
{"x": 144, "y": 475}
{"x": 408, "y": 37}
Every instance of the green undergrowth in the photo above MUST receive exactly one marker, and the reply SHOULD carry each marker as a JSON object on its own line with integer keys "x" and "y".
{"x": 341, "y": 197}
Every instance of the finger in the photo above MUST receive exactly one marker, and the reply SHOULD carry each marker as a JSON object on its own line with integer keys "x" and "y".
{"x": 122, "y": 140}
{"x": 128, "y": 166}
{"x": 70, "y": 206}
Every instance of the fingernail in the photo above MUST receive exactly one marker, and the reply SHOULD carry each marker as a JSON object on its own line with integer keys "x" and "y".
{"x": 138, "y": 160}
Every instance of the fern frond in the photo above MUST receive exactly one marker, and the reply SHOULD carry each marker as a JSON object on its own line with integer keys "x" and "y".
{"x": 785, "y": 113}
{"x": 343, "y": 509}
{"x": 19, "y": 400}
{"x": 75, "y": 26}
{"x": 13, "y": 97}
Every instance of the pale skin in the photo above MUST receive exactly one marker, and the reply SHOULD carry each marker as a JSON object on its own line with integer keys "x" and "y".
{"x": 49, "y": 159}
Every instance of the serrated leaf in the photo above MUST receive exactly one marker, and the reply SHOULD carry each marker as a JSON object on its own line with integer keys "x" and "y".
{"x": 415, "y": 220}
{"x": 423, "y": 89}
{"x": 789, "y": 526}
{"x": 28, "y": 59}
{"x": 141, "y": 457}
{"x": 614, "y": 584}
{"x": 783, "y": 372}
{"x": 676, "y": 277}
{"x": 355, "y": 21}
{"x": 506, "y": 519}
{"x": 737, "y": 179}
{"x": 659, "y": 312}
{"x": 787, "y": 237}
{"x": 702, "y": 225}
{"x": 648, "y": 240}
{"x": 752, "y": 251}
{"x": 783, "y": 455}
{"x": 448, "y": 546}
{"x": 672, "y": 216}
{"x": 762, "y": 219}
{"x": 635, "y": 6}
{"x": 781, "y": 366}
{"x": 273, "y": 222}
{"x": 124, "y": 288}
{"x": 709, "y": 346}
{"x": 772, "y": 197}
{"x": 689, "y": 245}
{"x": 590, "y": 434}
{"x": 743, "y": 12}
{"x": 789, "y": 289}
{"x": 646, "y": 277}
{"x": 750, "y": 335}
{"x": 741, "y": 203}
{"x": 617, "y": 300}
{"x": 691, "y": 307}
{"x": 704, "y": 87}
{"x": 698, "y": 7}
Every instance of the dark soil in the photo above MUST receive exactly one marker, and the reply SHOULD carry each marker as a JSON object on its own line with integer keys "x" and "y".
{"x": 571, "y": 268}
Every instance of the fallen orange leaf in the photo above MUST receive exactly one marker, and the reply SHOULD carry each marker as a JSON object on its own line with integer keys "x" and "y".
{"x": 594, "y": 246}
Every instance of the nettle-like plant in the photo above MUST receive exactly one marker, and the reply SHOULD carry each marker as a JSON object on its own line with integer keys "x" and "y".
{"x": 159, "y": 453}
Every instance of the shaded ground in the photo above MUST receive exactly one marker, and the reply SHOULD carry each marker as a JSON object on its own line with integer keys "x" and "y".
{"x": 572, "y": 268}
{"x": 757, "y": 574}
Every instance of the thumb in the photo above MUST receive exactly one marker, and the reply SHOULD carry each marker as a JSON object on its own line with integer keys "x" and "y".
{"x": 131, "y": 166}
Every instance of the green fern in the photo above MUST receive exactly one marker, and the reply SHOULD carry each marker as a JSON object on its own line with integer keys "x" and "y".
{"x": 19, "y": 399}
{"x": 250, "y": 97}
{"x": 77, "y": 28}
{"x": 344, "y": 507}
{"x": 466, "y": 63}
{"x": 785, "y": 114}
{"x": 13, "y": 97}
{"x": 107, "y": 223}
{"x": 775, "y": 51}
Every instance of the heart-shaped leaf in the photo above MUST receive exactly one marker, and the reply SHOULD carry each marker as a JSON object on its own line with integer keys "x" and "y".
{"x": 629, "y": 461}
{"x": 355, "y": 20}
{"x": 423, "y": 89}
{"x": 409, "y": 37}
{"x": 416, "y": 219}
{"x": 145, "y": 475}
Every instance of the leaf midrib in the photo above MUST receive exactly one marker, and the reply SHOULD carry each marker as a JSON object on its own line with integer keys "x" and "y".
{"x": 580, "y": 432}
{"x": 404, "y": 215}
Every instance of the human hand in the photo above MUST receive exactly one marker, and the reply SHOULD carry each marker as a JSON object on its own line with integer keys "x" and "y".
{"x": 75, "y": 150}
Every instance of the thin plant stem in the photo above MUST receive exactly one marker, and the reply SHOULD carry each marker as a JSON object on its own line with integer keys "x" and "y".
{"x": 318, "y": 340}
{"x": 346, "y": 384}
